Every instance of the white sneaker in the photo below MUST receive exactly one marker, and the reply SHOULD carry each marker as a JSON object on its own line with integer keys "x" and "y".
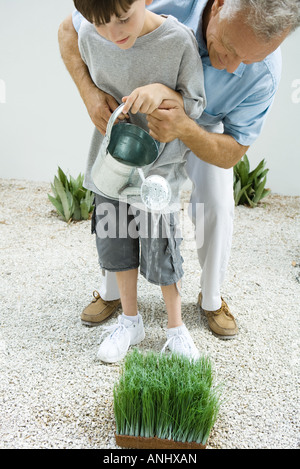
{"x": 115, "y": 346}
{"x": 180, "y": 341}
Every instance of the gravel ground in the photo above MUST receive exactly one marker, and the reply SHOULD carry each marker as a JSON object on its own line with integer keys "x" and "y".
{"x": 53, "y": 391}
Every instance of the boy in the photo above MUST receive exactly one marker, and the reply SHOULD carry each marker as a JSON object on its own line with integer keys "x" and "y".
{"x": 140, "y": 58}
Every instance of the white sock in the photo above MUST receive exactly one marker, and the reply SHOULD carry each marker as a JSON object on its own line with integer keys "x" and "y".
{"x": 131, "y": 318}
{"x": 176, "y": 330}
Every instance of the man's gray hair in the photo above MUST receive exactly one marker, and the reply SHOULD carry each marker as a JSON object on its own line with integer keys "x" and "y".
{"x": 267, "y": 18}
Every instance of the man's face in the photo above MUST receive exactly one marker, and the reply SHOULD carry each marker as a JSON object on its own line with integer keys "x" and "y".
{"x": 231, "y": 42}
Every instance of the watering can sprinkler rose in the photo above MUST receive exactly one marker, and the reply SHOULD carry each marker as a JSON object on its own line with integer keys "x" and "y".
{"x": 118, "y": 172}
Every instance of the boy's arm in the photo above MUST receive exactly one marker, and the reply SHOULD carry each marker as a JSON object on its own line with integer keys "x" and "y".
{"x": 99, "y": 105}
{"x": 147, "y": 98}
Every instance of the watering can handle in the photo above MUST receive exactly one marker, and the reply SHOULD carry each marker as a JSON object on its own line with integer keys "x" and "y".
{"x": 112, "y": 120}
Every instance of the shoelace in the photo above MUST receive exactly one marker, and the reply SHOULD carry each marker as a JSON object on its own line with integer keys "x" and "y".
{"x": 96, "y": 295}
{"x": 183, "y": 345}
{"x": 224, "y": 309}
{"x": 114, "y": 330}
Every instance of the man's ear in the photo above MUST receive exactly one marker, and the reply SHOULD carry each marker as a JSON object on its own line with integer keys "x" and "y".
{"x": 148, "y": 2}
{"x": 217, "y": 6}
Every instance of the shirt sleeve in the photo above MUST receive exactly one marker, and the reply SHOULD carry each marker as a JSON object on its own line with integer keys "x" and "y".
{"x": 245, "y": 122}
{"x": 76, "y": 18}
{"x": 190, "y": 81}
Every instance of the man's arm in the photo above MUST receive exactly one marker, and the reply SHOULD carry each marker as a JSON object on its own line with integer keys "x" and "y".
{"x": 170, "y": 122}
{"x": 99, "y": 105}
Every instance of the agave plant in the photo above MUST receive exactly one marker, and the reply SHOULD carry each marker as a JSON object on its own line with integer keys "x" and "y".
{"x": 71, "y": 200}
{"x": 249, "y": 186}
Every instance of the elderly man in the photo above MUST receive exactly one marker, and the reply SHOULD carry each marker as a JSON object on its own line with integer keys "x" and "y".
{"x": 239, "y": 45}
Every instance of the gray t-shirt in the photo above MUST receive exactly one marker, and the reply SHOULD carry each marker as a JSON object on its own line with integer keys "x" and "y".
{"x": 168, "y": 55}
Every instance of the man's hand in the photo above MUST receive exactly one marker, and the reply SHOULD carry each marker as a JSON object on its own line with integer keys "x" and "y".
{"x": 168, "y": 121}
{"x": 99, "y": 104}
{"x": 100, "y": 107}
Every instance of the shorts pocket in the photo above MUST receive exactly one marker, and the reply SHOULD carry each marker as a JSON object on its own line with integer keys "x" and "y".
{"x": 173, "y": 251}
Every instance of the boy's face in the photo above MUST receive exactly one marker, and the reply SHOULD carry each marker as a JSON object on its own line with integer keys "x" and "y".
{"x": 125, "y": 29}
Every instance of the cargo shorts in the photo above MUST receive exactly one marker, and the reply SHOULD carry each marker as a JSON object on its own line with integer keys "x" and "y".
{"x": 128, "y": 237}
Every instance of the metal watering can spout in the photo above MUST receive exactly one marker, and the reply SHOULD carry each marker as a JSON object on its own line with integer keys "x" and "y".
{"x": 125, "y": 149}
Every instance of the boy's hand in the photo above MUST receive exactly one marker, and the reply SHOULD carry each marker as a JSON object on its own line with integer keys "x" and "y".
{"x": 144, "y": 99}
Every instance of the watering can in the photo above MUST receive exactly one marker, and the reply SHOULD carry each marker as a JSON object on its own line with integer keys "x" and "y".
{"x": 125, "y": 153}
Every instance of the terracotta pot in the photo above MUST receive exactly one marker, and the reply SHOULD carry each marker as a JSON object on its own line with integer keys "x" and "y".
{"x": 139, "y": 442}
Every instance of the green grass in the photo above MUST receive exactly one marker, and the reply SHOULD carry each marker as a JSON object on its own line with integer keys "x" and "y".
{"x": 167, "y": 396}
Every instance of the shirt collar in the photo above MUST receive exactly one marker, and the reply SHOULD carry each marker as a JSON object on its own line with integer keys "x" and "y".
{"x": 240, "y": 70}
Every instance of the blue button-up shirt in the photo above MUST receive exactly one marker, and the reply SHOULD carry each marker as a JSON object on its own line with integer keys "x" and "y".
{"x": 238, "y": 101}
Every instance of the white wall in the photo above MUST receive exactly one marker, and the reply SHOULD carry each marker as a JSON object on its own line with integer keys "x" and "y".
{"x": 43, "y": 122}
{"x": 279, "y": 143}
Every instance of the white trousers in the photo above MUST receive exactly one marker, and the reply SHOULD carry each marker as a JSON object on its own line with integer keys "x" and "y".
{"x": 212, "y": 187}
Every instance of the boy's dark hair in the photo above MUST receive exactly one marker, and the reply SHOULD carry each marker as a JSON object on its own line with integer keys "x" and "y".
{"x": 100, "y": 11}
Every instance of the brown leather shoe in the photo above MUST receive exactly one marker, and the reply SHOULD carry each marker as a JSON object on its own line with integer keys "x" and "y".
{"x": 98, "y": 310}
{"x": 221, "y": 321}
